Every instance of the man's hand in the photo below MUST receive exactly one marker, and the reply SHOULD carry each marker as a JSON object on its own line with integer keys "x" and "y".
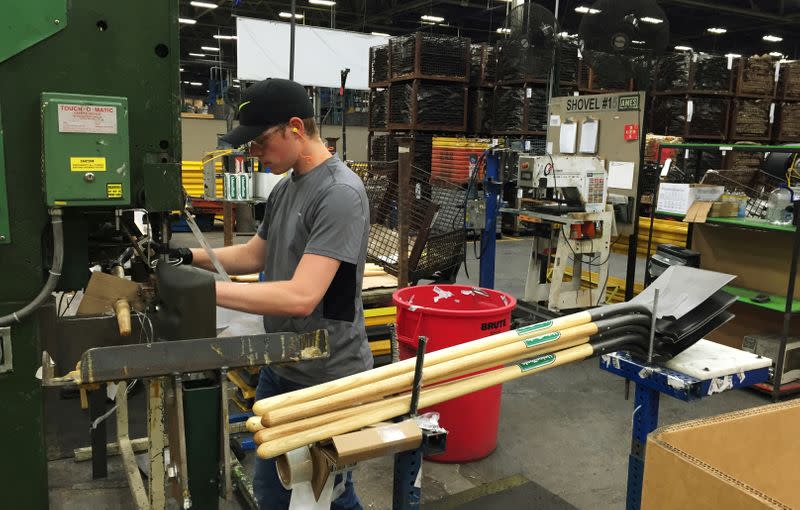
{"x": 184, "y": 254}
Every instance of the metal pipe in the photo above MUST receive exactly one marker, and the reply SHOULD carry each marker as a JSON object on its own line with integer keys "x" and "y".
{"x": 653, "y": 326}
{"x": 417, "y": 385}
{"x": 53, "y": 277}
{"x": 787, "y": 314}
{"x": 403, "y": 184}
{"x": 291, "y": 40}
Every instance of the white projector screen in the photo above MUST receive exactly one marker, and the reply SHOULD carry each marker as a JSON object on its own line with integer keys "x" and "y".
{"x": 320, "y": 53}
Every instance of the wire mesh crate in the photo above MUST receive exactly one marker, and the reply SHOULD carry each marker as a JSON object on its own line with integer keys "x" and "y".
{"x": 754, "y": 184}
{"x": 744, "y": 160}
{"x": 701, "y": 73}
{"x": 430, "y": 57}
{"x": 483, "y": 65}
{"x": 479, "y": 113}
{"x": 788, "y": 125}
{"x": 383, "y": 147}
{"x": 602, "y": 73}
{"x": 755, "y": 76}
{"x": 691, "y": 116}
{"x": 519, "y": 63}
{"x": 436, "y": 233}
{"x": 378, "y": 109}
{"x": 568, "y": 62}
{"x": 379, "y": 66}
{"x": 421, "y": 105}
{"x": 519, "y": 110}
{"x": 789, "y": 81}
{"x": 752, "y": 119}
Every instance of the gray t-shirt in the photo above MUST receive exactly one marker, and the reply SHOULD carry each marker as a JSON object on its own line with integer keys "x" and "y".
{"x": 323, "y": 212}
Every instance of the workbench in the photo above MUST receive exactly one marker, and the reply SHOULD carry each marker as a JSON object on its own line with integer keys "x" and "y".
{"x": 705, "y": 369}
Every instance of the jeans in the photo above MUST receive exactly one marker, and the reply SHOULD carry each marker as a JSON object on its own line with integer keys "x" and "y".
{"x": 268, "y": 490}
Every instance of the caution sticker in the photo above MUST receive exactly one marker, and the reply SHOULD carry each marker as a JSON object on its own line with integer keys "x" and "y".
{"x": 87, "y": 164}
{"x": 113, "y": 190}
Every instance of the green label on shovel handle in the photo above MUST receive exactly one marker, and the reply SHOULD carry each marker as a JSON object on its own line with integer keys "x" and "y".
{"x": 542, "y": 339}
{"x": 538, "y": 362}
{"x": 533, "y": 327}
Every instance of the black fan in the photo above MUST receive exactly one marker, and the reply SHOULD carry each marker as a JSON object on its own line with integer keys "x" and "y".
{"x": 620, "y": 38}
{"x": 529, "y": 46}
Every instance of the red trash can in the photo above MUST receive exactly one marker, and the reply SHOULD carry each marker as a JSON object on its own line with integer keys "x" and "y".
{"x": 449, "y": 315}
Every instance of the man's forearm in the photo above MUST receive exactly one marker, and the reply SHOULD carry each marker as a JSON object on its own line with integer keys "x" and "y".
{"x": 235, "y": 259}
{"x": 269, "y": 298}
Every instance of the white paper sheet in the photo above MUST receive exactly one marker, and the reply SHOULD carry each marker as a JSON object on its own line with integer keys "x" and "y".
{"x": 569, "y": 136}
{"x": 589, "y": 129}
{"x": 549, "y": 147}
{"x": 666, "y": 167}
{"x": 555, "y": 120}
{"x": 620, "y": 174}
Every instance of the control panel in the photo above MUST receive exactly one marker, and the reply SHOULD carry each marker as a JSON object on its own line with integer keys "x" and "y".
{"x": 86, "y": 151}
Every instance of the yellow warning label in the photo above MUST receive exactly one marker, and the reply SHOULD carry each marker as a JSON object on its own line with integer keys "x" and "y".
{"x": 87, "y": 164}
{"x": 114, "y": 190}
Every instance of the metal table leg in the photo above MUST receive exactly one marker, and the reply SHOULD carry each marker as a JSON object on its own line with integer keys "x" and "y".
{"x": 645, "y": 420}
{"x": 97, "y": 407}
{"x": 407, "y": 480}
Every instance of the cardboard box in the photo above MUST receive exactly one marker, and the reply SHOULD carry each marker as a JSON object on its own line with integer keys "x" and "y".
{"x": 347, "y": 449}
{"x": 677, "y": 198}
{"x": 745, "y": 460}
{"x": 726, "y": 209}
{"x": 760, "y": 260}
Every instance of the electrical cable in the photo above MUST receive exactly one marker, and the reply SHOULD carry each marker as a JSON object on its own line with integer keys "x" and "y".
{"x": 108, "y": 413}
{"x": 52, "y": 278}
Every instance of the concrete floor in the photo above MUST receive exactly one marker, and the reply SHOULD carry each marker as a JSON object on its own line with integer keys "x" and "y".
{"x": 568, "y": 430}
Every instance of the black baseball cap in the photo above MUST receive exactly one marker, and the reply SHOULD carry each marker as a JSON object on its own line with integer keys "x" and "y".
{"x": 266, "y": 104}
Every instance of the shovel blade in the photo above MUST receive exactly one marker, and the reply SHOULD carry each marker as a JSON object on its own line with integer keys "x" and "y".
{"x": 681, "y": 290}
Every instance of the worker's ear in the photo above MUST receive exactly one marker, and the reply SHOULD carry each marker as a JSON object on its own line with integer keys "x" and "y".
{"x": 296, "y": 126}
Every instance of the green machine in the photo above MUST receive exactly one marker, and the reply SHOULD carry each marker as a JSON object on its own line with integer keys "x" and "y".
{"x": 89, "y": 123}
{"x": 89, "y": 139}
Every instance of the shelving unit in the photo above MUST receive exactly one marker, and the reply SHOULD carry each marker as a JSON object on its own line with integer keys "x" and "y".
{"x": 782, "y": 304}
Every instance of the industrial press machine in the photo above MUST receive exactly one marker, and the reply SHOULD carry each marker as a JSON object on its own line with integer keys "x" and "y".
{"x": 579, "y": 197}
{"x": 89, "y": 145}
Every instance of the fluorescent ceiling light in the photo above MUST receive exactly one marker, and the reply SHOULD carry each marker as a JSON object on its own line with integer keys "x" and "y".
{"x": 235, "y": 80}
{"x": 502, "y": 30}
{"x": 381, "y": 33}
{"x": 224, "y": 37}
{"x": 181, "y": 69}
{"x": 187, "y": 21}
{"x": 289, "y": 15}
{"x": 772, "y": 38}
{"x": 204, "y": 4}
{"x": 717, "y": 30}
{"x": 326, "y": 3}
{"x": 654, "y": 21}
{"x": 683, "y": 48}
{"x": 209, "y": 48}
{"x": 733, "y": 55}
{"x": 434, "y": 19}
{"x": 582, "y": 9}
{"x": 776, "y": 54}
{"x": 197, "y": 54}
{"x": 235, "y": 85}
{"x": 633, "y": 41}
{"x": 195, "y": 83}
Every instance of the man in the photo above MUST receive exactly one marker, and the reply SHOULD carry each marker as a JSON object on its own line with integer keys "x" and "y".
{"x": 311, "y": 246}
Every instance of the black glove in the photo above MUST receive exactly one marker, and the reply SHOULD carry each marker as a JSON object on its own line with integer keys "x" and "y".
{"x": 183, "y": 254}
